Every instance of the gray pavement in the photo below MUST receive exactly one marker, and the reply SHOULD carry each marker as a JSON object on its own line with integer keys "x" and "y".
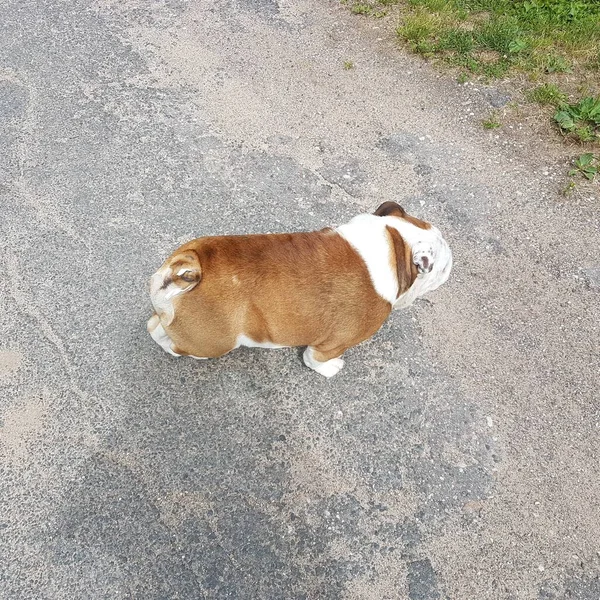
{"x": 457, "y": 454}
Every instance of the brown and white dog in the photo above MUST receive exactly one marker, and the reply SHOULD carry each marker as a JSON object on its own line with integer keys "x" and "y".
{"x": 327, "y": 290}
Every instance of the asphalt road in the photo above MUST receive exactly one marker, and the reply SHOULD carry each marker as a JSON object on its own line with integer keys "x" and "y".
{"x": 455, "y": 457}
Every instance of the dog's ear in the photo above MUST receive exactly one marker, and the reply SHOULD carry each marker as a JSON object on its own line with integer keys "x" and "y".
{"x": 390, "y": 209}
{"x": 406, "y": 269}
{"x": 422, "y": 256}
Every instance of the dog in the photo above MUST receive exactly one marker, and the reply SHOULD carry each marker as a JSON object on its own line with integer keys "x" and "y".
{"x": 327, "y": 290}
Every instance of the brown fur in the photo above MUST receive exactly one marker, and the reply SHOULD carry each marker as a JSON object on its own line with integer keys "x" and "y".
{"x": 290, "y": 289}
{"x": 401, "y": 260}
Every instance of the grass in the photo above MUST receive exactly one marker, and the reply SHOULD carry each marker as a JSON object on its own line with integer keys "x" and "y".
{"x": 493, "y": 37}
{"x": 374, "y": 8}
{"x": 361, "y": 8}
{"x": 547, "y": 94}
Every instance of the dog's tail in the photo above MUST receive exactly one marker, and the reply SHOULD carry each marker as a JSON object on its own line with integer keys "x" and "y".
{"x": 186, "y": 271}
{"x": 179, "y": 274}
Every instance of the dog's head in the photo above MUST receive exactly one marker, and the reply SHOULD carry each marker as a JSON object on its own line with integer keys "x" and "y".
{"x": 429, "y": 258}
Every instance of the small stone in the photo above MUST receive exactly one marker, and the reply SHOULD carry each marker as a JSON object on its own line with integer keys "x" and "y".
{"x": 472, "y": 506}
{"x": 423, "y": 169}
{"x": 592, "y": 278}
{"x": 490, "y": 423}
{"x": 497, "y": 99}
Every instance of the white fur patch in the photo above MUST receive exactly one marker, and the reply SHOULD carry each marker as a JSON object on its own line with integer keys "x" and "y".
{"x": 244, "y": 340}
{"x": 368, "y": 236}
{"x": 428, "y": 242}
{"x": 329, "y": 368}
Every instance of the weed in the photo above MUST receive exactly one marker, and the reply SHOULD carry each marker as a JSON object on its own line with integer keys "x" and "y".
{"x": 568, "y": 189}
{"x": 496, "y": 70}
{"x": 587, "y": 165}
{"x": 348, "y": 64}
{"x": 491, "y": 122}
{"x": 580, "y": 120}
{"x": 556, "y": 64}
{"x": 361, "y": 9}
{"x": 548, "y": 93}
{"x": 371, "y": 8}
{"x": 466, "y": 61}
{"x": 425, "y": 48}
{"x": 463, "y": 78}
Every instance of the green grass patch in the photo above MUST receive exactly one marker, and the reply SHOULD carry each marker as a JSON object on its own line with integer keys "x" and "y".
{"x": 493, "y": 37}
{"x": 547, "y": 94}
{"x": 419, "y": 27}
{"x": 501, "y": 34}
{"x": 457, "y": 40}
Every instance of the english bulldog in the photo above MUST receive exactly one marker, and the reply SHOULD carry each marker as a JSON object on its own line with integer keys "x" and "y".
{"x": 327, "y": 290}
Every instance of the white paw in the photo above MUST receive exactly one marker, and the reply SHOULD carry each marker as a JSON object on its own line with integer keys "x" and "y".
{"x": 328, "y": 368}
